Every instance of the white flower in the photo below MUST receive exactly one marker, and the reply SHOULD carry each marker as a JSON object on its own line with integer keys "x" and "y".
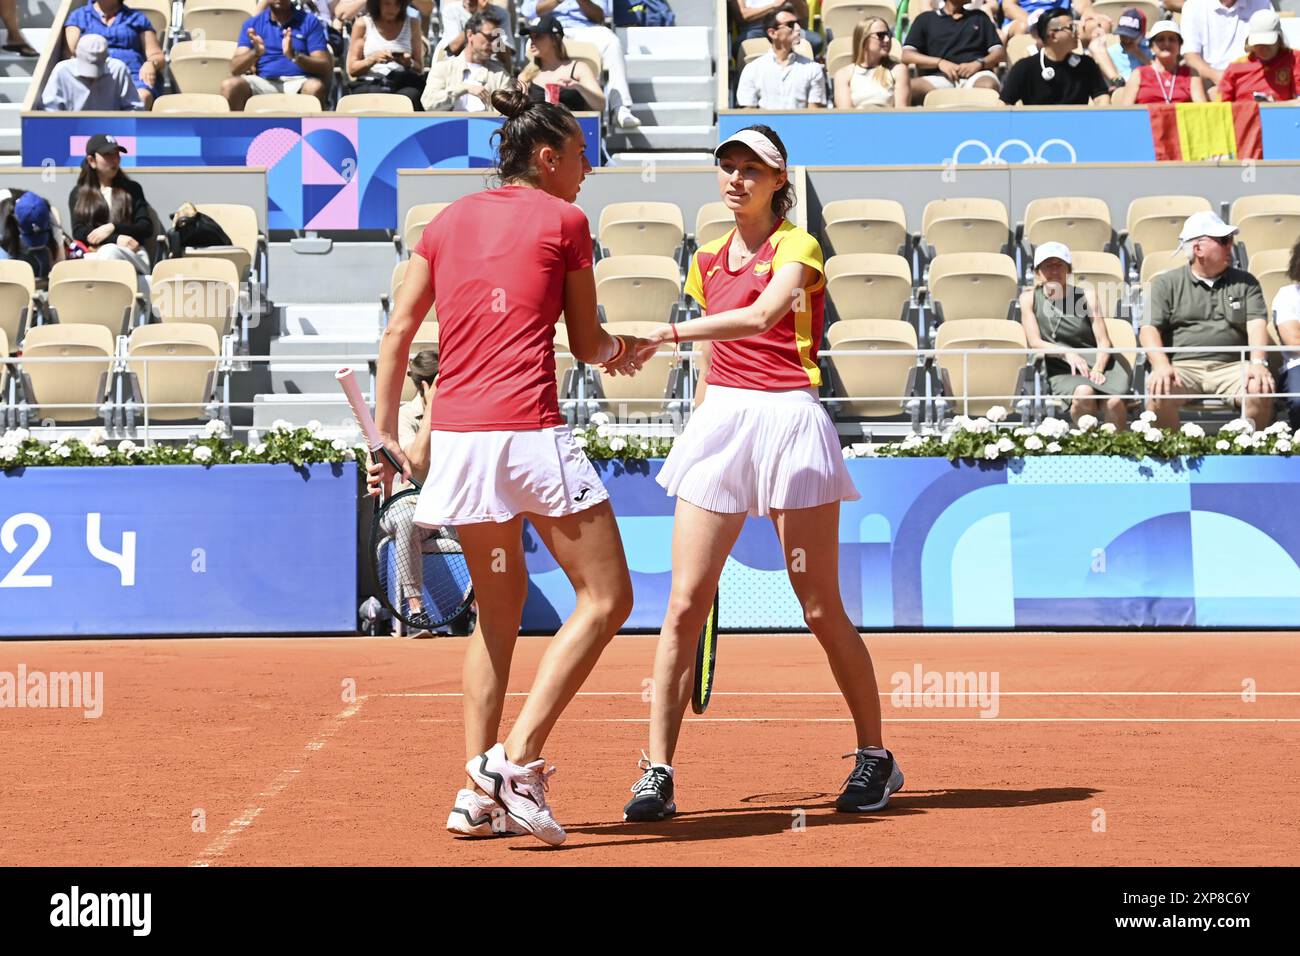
{"x": 253, "y": 437}
{"x": 100, "y": 451}
{"x": 236, "y": 455}
{"x": 8, "y": 452}
{"x": 1222, "y": 445}
{"x": 348, "y": 454}
{"x": 1087, "y": 423}
{"x": 645, "y": 445}
{"x": 1023, "y": 432}
{"x": 280, "y": 425}
{"x": 95, "y": 437}
{"x": 214, "y": 429}
{"x": 860, "y": 449}
{"x": 1053, "y": 447}
{"x": 1243, "y": 441}
{"x": 604, "y": 432}
{"x": 981, "y": 426}
{"x": 997, "y": 414}
{"x": 259, "y": 449}
{"x": 1006, "y": 444}
{"x": 1147, "y": 416}
{"x": 1192, "y": 430}
{"x": 201, "y": 454}
{"x": 126, "y": 447}
{"x": 600, "y": 418}
{"x": 1282, "y": 446}
{"x": 338, "y": 444}
{"x": 15, "y": 437}
{"x": 1278, "y": 428}
{"x": 306, "y": 446}
{"x": 617, "y": 443}
{"x": 1053, "y": 428}
{"x": 990, "y": 452}
{"x": 961, "y": 422}
{"x": 1033, "y": 443}
{"x": 63, "y": 451}
{"x": 1109, "y": 428}
{"x": 580, "y": 440}
{"x": 314, "y": 427}
{"x": 911, "y": 441}
{"x": 1153, "y": 435}
{"x": 1239, "y": 425}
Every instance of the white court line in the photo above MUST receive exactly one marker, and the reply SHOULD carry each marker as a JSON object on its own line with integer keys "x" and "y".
{"x": 922, "y": 694}
{"x": 919, "y": 720}
{"x": 245, "y": 820}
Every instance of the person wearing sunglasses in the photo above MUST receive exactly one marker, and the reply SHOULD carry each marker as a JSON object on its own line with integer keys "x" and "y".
{"x": 455, "y": 14}
{"x": 782, "y": 78}
{"x": 1056, "y": 75}
{"x": 871, "y": 81}
{"x": 466, "y": 82}
{"x": 1220, "y": 311}
{"x": 952, "y": 46}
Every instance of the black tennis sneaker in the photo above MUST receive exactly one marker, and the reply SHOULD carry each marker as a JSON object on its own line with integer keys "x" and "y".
{"x": 652, "y": 795}
{"x": 870, "y": 783}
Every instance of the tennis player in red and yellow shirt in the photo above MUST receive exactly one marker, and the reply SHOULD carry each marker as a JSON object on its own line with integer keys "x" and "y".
{"x": 759, "y": 443}
{"x": 1268, "y": 71}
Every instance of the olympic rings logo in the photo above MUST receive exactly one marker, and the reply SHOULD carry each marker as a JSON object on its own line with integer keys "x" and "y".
{"x": 1030, "y": 156}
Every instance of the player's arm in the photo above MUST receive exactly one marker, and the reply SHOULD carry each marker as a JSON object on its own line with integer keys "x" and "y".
{"x": 414, "y": 300}
{"x": 588, "y": 341}
{"x": 418, "y": 450}
{"x": 789, "y": 283}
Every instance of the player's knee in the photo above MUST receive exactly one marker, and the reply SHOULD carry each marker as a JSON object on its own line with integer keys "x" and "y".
{"x": 820, "y": 617}
{"x": 611, "y": 608}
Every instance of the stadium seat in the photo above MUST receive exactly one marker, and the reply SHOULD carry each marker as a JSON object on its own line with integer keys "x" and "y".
{"x": 962, "y": 98}
{"x": 754, "y": 47}
{"x": 67, "y": 383}
{"x": 200, "y": 67}
{"x": 8, "y": 396}
{"x": 1104, "y": 272}
{"x": 247, "y": 249}
{"x": 191, "y": 103}
{"x": 637, "y": 288}
{"x": 1269, "y": 266}
{"x": 564, "y": 361}
{"x": 641, "y": 228}
{"x": 417, "y": 217}
{"x": 188, "y": 385}
{"x": 1021, "y": 46}
{"x": 969, "y": 286}
{"x": 1123, "y": 336}
{"x": 386, "y": 302}
{"x": 1154, "y": 263}
{"x": 865, "y": 225}
{"x": 95, "y": 292}
{"x": 875, "y": 382}
{"x": 974, "y": 383}
{"x": 713, "y": 221}
{"x": 1079, "y": 222}
{"x": 216, "y": 19}
{"x": 196, "y": 290}
{"x": 841, "y": 16}
{"x": 965, "y": 225}
{"x": 18, "y": 302}
{"x": 1266, "y": 222}
{"x": 869, "y": 285}
{"x": 1115, "y": 8}
{"x": 159, "y": 13}
{"x": 299, "y": 104}
{"x": 649, "y": 391}
{"x": 374, "y": 103}
{"x": 1154, "y": 222}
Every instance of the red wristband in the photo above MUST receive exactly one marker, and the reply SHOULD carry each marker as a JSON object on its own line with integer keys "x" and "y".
{"x": 676, "y": 339}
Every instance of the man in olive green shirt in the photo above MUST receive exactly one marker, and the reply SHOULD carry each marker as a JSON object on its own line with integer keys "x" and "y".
{"x": 1208, "y": 304}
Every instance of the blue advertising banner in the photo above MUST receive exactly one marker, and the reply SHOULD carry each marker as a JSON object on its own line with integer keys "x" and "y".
{"x": 178, "y": 549}
{"x": 326, "y": 171}
{"x": 1041, "y": 543}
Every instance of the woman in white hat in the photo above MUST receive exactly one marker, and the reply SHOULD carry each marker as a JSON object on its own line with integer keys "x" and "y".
{"x": 759, "y": 443}
{"x": 1166, "y": 79}
{"x": 1059, "y": 315}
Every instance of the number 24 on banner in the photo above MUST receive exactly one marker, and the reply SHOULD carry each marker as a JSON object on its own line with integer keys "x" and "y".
{"x": 18, "y": 577}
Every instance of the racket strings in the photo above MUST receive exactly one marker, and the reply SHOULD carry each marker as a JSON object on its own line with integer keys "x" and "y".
{"x": 421, "y": 572}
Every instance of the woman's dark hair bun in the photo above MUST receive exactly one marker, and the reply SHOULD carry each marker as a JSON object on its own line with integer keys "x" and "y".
{"x": 510, "y": 103}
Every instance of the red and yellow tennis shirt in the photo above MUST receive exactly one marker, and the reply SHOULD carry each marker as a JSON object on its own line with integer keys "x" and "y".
{"x": 785, "y": 356}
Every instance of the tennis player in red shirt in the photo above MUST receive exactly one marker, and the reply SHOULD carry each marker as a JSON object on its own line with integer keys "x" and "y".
{"x": 759, "y": 443}
{"x": 502, "y": 265}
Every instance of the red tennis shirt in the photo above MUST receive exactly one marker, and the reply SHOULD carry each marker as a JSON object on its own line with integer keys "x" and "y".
{"x": 497, "y": 262}
{"x": 785, "y": 356}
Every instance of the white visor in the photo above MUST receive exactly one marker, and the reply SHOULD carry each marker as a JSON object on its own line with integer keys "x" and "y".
{"x": 763, "y": 147}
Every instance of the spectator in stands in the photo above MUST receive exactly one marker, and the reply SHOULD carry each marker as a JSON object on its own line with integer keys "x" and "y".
{"x": 455, "y": 15}
{"x": 1056, "y": 313}
{"x": 333, "y": 23}
{"x": 1166, "y": 79}
{"x": 1267, "y": 72}
{"x": 1057, "y": 75}
{"x": 387, "y": 52}
{"x": 1208, "y": 304}
{"x": 110, "y": 215}
{"x": 29, "y": 231}
{"x": 870, "y": 80}
{"x": 1214, "y": 34}
{"x": 1117, "y": 61}
{"x": 782, "y": 79}
{"x": 131, "y": 39}
{"x": 90, "y": 81}
{"x": 550, "y": 63}
{"x": 1021, "y": 15}
{"x": 1286, "y": 315}
{"x": 585, "y": 20}
{"x": 283, "y": 49}
{"x": 15, "y": 42}
{"x": 750, "y": 14}
{"x": 948, "y": 52}
{"x": 465, "y": 82}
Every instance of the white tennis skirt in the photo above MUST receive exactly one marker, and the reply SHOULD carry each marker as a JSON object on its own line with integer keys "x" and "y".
{"x": 494, "y": 476}
{"x": 750, "y": 450}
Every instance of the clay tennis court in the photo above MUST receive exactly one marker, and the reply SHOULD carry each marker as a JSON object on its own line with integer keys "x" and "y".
{"x": 1146, "y": 735}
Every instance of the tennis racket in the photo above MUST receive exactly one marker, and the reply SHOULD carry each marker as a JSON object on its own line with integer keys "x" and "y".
{"x": 420, "y": 574}
{"x": 706, "y": 659}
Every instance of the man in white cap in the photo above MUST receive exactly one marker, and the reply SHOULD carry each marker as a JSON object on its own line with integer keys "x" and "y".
{"x": 1214, "y": 33}
{"x": 1219, "y": 309}
{"x": 1267, "y": 71}
{"x": 91, "y": 80}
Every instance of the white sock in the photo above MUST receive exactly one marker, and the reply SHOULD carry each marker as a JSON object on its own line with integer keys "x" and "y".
{"x": 873, "y": 751}
{"x": 662, "y": 766}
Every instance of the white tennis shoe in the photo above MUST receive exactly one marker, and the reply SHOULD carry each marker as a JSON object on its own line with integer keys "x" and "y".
{"x": 521, "y": 791}
{"x": 477, "y": 815}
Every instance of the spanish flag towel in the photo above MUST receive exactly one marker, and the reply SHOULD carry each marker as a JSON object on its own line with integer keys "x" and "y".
{"x": 1192, "y": 132}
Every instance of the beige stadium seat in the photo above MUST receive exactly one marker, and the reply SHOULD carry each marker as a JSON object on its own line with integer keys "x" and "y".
{"x": 1105, "y": 273}
{"x": 865, "y": 225}
{"x": 978, "y": 382}
{"x": 868, "y": 285}
{"x": 1267, "y": 222}
{"x": 374, "y": 103}
{"x": 962, "y": 98}
{"x": 646, "y": 392}
{"x": 246, "y": 241}
{"x": 1115, "y": 8}
{"x": 1154, "y": 222}
{"x": 641, "y": 228}
{"x": 1154, "y": 263}
{"x": 299, "y": 104}
{"x": 637, "y": 288}
{"x": 83, "y": 384}
{"x": 5, "y": 378}
{"x": 713, "y": 221}
{"x": 159, "y": 13}
{"x": 876, "y": 382}
{"x": 216, "y": 19}
{"x": 841, "y": 16}
{"x": 1021, "y": 46}
{"x": 965, "y": 225}
{"x": 188, "y": 385}
{"x": 1123, "y": 336}
{"x": 194, "y": 289}
{"x": 200, "y": 67}
{"x": 191, "y": 103}
{"x": 1269, "y": 266}
{"x": 17, "y": 299}
{"x": 389, "y": 301}
{"x": 973, "y": 285}
{"x": 94, "y": 291}
{"x": 417, "y": 217}
{"x": 1078, "y": 221}
{"x": 564, "y": 360}
{"x": 587, "y": 52}
{"x": 754, "y": 47}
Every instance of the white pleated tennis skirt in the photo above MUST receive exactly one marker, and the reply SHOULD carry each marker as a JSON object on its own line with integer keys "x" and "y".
{"x": 496, "y": 475}
{"x": 752, "y": 451}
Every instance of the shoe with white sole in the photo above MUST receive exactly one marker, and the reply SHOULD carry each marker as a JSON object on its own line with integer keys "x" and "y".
{"x": 477, "y": 815}
{"x": 625, "y": 119}
{"x": 521, "y": 791}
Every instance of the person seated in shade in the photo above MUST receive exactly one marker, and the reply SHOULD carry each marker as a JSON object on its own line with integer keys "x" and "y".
{"x": 1286, "y": 315}
{"x": 387, "y": 52}
{"x": 952, "y": 46}
{"x": 1056, "y": 313}
{"x": 871, "y": 80}
{"x": 782, "y": 78}
{"x": 282, "y": 49}
{"x": 30, "y": 232}
{"x": 1267, "y": 71}
{"x": 1117, "y": 61}
{"x": 549, "y": 63}
{"x": 1166, "y": 79}
{"x": 110, "y": 215}
{"x": 131, "y": 39}
{"x": 91, "y": 80}
{"x": 466, "y": 82}
{"x": 1056, "y": 75}
{"x": 591, "y": 21}
{"x": 1216, "y": 308}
